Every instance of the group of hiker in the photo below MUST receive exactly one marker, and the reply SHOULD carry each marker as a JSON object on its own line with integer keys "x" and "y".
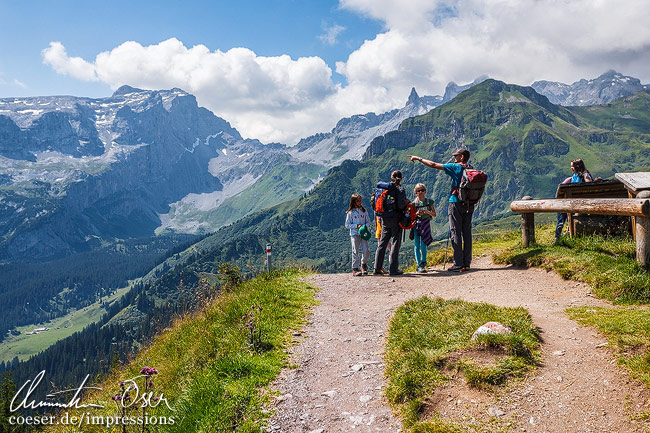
{"x": 394, "y": 212}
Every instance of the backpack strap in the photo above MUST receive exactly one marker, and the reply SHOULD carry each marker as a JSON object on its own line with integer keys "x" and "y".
{"x": 455, "y": 189}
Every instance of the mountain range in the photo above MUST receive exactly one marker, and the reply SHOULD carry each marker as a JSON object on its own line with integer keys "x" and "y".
{"x": 76, "y": 172}
{"x": 602, "y": 90}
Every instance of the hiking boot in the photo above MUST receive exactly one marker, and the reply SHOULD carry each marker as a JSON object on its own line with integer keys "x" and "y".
{"x": 455, "y": 268}
{"x": 364, "y": 269}
{"x": 356, "y": 273}
{"x": 396, "y": 274}
{"x": 464, "y": 269}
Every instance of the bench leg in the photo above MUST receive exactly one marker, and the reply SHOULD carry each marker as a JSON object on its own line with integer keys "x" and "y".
{"x": 527, "y": 229}
{"x": 643, "y": 241}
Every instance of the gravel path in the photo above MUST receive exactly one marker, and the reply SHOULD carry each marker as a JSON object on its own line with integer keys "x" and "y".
{"x": 338, "y": 384}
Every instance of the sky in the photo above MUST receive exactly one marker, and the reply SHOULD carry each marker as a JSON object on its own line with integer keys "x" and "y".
{"x": 281, "y": 70}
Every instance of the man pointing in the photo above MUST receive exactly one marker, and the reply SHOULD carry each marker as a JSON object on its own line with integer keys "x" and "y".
{"x": 460, "y": 214}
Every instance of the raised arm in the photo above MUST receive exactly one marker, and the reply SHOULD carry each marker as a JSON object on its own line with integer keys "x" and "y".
{"x": 426, "y": 162}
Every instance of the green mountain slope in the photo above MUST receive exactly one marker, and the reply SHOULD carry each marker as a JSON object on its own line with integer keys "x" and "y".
{"x": 517, "y": 136}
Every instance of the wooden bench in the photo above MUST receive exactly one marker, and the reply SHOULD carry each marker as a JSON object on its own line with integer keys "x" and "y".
{"x": 595, "y": 224}
{"x": 638, "y": 207}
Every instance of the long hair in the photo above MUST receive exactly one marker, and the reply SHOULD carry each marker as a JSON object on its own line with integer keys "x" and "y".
{"x": 353, "y": 200}
{"x": 579, "y": 165}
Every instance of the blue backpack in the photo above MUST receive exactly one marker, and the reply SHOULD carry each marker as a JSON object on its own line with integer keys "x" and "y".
{"x": 383, "y": 202}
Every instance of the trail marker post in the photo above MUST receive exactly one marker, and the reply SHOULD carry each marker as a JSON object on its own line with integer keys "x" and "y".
{"x": 268, "y": 257}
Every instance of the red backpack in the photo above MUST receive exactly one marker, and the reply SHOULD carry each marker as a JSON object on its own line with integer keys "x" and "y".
{"x": 408, "y": 219}
{"x": 471, "y": 185}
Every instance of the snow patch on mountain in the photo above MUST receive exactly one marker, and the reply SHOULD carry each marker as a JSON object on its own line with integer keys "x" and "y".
{"x": 180, "y": 216}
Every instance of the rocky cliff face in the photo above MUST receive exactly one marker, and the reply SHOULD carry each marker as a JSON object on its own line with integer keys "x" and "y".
{"x": 77, "y": 170}
{"x": 602, "y": 90}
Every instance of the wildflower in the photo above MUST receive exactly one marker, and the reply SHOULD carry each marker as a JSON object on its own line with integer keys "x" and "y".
{"x": 148, "y": 371}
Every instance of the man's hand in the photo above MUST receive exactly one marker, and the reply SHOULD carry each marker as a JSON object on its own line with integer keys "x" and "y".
{"x": 426, "y": 162}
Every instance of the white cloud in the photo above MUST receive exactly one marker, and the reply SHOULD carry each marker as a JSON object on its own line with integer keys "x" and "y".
{"x": 428, "y": 43}
{"x": 56, "y": 56}
{"x": 19, "y": 83}
{"x": 253, "y": 92}
{"x": 425, "y": 43}
{"x": 331, "y": 33}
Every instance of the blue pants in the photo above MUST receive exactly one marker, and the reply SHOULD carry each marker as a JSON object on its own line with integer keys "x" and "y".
{"x": 561, "y": 219}
{"x": 420, "y": 249}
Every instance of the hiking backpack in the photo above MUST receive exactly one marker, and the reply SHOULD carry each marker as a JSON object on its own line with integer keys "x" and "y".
{"x": 383, "y": 203}
{"x": 471, "y": 185}
{"x": 408, "y": 219}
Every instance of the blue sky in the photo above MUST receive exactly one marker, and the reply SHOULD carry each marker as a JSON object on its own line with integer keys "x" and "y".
{"x": 85, "y": 28}
{"x": 270, "y": 69}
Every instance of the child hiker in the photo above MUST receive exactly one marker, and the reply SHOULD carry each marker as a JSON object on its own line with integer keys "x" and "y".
{"x": 422, "y": 236}
{"x": 356, "y": 217}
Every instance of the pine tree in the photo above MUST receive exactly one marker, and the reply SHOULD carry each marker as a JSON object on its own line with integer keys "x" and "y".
{"x": 7, "y": 393}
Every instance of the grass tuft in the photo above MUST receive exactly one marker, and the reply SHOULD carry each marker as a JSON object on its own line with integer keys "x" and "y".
{"x": 428, "y": 337}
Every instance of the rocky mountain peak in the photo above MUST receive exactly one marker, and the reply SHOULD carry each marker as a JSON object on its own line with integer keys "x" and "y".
{"x": 604, "y": 89}
{"x": 453, "y": 89}
{"x": 414, "y": 98}
{"x": 123, "y": 90}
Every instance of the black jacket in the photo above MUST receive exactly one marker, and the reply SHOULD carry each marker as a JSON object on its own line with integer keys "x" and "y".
{"x": 398, "y": 192}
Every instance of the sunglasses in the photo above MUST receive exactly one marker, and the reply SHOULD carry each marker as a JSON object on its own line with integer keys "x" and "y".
{"x": 420, "y": 190}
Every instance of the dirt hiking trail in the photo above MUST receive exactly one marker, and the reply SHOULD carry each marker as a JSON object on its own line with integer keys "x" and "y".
{"x": 338, "y": 384}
